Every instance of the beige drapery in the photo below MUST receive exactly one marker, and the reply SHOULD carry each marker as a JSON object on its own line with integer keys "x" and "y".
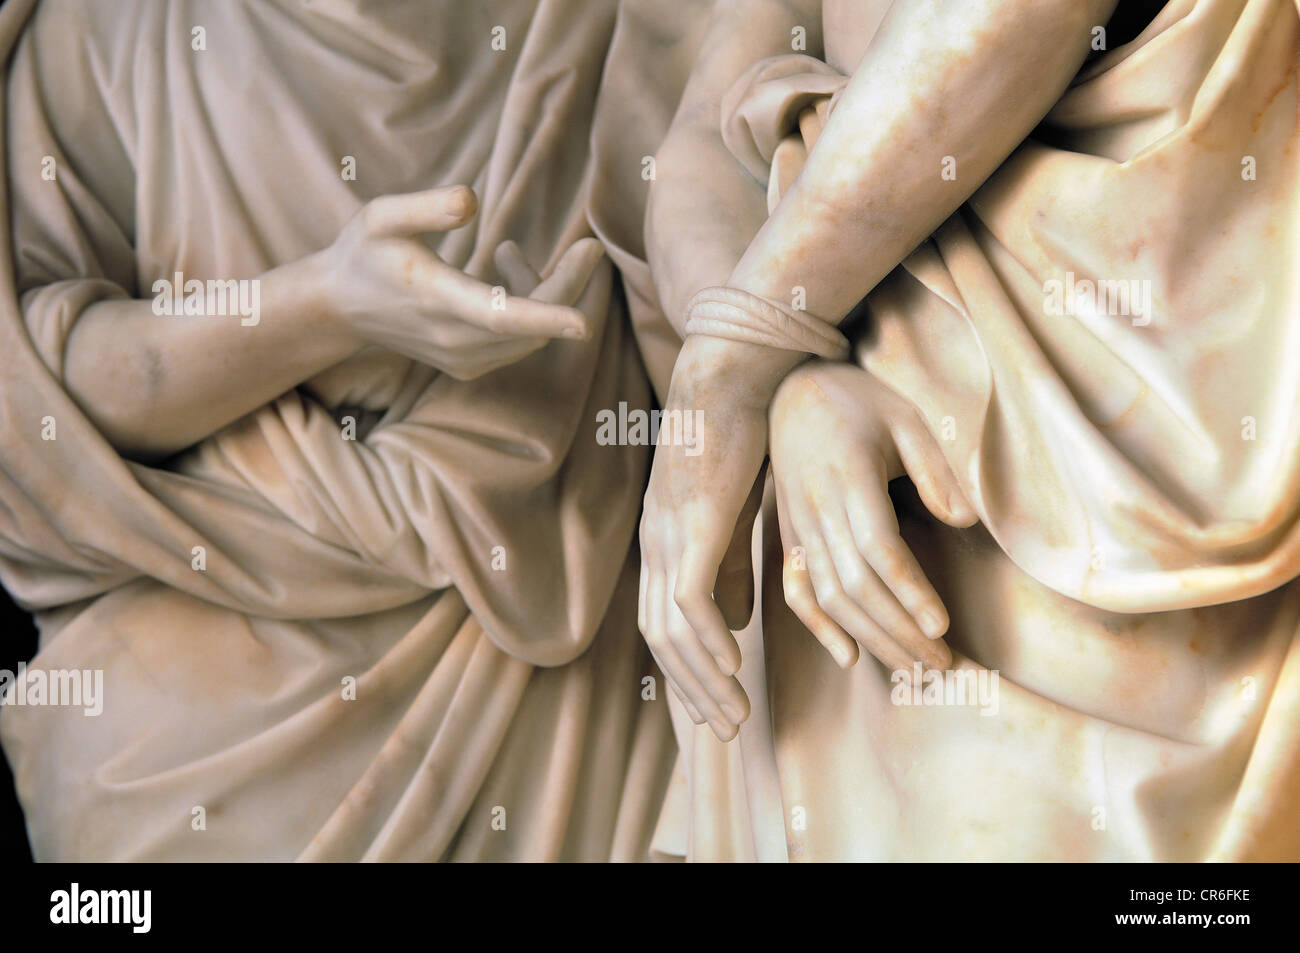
{"x": 325, "y": 558}
{"x": 1136, "y": 481}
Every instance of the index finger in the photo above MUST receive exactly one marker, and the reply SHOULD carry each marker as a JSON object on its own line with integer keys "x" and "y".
{"x": 878, "y": 540}
{"x": 433, "y": 210}
{"x": 492, "y": 309}
{"x": 702, "y": 613}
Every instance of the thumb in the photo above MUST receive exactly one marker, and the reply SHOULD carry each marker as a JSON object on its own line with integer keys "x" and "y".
{"x": 433, "y": 210}
{"x": 735, "y": 587}
{"x": 572, "y": 273}
{"x": 934, "y": 480}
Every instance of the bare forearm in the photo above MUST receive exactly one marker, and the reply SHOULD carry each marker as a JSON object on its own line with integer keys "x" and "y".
{"x": 945, "y": 87}
{"x": 704, "y": 208}
{"x": 703, "y": 212}
{"x": 154, "y": 384}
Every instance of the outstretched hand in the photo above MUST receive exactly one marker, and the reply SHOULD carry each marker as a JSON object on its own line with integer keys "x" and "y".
{"x": 386, "y": 287}
{"x": 693, "y": 505}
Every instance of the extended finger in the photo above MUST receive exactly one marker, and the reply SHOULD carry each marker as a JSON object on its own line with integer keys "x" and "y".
{"x": 734, "y": 590}
{"x": 520, "y": 277}
{"x": 716, "y": 701}
{"x": 799, "y": 596}
{"x": 842, "y": 609}
{"x": 693, "y": 595}
{"x": 433, "y": 210}
{"x": 861, "y": 584}
{"x": 796, "y": 584}
{"x": 477, "y": 303}
{"x": 696, "y": 628}
{"x": 875, "y": 530}
{"x": 933, "y": 478}
{"x": 656, "y": 636}
{"x": 572, "y": 273}
{"x": 691, "y": 711}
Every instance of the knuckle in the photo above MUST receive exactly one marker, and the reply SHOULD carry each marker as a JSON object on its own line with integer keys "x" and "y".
{"x": 799, "y": 388}
{"x": 894, "y": 564}
{"x": 407, "y": 259}
{"x": 798, "y": 601}
{"x": 791, "y": 587}
{"x": 868, "y": 538}
{"x": 684, "y": 598}
{"x": 853, "y": 577}
{"x": 369, "y": 217}
{"x": 828, "y": 593}
{"x": 493, "y": 320}
{"x": 679, "y": 638}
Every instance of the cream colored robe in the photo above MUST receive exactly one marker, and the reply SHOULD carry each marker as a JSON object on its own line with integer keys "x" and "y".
{"x": 1136, "y": 478}
{"x": 325, "y": 559}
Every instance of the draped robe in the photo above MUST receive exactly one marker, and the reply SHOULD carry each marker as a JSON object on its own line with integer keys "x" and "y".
{"x": 1135, "y": 474}
{"x": 417, "y": 644}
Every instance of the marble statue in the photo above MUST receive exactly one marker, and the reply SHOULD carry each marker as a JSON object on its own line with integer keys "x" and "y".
{"x": 380, "y": 606}
{"x": 337, "y": 335}
{"x": 1087, "y": 371}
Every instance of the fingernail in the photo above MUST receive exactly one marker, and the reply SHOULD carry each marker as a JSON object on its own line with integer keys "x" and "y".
{"x": 577, "y": 332}
{"x": 725, "y": 732}
{"x": 932, "y": 624}
{"x": 842, "y": 656}
{"x": 726, "y": 666}
{"x": 462, "y": 202}
{"x": 733, "y": 713}
{"x": 939, "y": 661}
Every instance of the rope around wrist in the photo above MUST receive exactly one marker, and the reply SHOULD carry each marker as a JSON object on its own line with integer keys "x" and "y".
{"x": 737, "y": 315}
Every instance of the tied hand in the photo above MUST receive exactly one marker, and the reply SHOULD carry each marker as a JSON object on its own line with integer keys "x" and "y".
{"x": 692, "y": 524}
{"x": 838, "y": 436}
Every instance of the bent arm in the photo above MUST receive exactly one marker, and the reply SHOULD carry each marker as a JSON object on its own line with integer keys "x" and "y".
{"x": 946, "y": 86}
{"x": 703, "y": 207}
{"x": 155, "y": 384}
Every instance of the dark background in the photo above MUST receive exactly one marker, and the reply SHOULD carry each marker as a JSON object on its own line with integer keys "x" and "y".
{"x": 17, "y": 644}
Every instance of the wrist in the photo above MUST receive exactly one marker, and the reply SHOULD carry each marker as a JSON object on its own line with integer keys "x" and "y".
{"x": 744, "y": 374}
{"x": 305, "y": 291}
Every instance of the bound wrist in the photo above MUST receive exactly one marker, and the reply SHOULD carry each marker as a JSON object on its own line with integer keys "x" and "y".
{"x": 744, "y": 374}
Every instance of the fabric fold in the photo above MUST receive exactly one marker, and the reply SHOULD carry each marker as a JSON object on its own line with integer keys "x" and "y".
{"x": 348, "y": 625}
